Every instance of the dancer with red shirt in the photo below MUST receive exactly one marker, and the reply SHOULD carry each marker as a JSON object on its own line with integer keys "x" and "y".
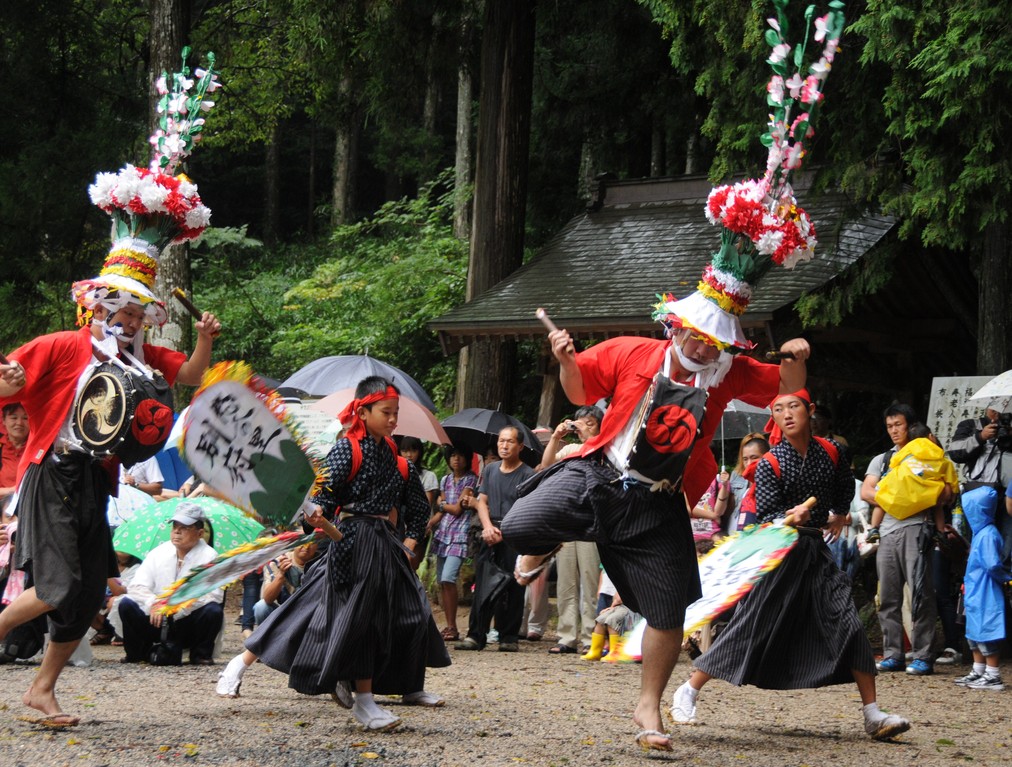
{"x": 71, "y": 461}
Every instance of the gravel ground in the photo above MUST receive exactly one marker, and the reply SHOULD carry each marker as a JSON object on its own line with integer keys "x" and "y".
{"x": 501, "y": 709}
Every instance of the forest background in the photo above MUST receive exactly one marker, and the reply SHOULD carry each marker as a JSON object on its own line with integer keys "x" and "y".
{"x": 352, "y": 188}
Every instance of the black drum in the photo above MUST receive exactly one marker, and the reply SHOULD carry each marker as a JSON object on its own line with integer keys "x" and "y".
{"x": 123, "y": 413}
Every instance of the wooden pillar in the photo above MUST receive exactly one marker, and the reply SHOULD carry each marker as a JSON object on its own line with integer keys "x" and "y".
{"x": 553, "y": 398}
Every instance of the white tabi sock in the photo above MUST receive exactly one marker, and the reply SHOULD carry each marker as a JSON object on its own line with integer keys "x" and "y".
{"x": 237, "y": 666}
{"x": 872, "y": 712}
{"x": 365, "y": 703}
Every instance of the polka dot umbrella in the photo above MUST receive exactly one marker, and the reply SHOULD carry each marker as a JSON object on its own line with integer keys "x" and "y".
{"x": 151, "y": 526}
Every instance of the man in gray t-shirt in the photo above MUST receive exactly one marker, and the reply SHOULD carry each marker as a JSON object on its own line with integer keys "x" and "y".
{"x": 902, "y": 546}
{"x": 496, "y": 559}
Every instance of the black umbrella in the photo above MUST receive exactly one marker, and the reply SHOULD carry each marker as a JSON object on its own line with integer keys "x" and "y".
{"x": 476, "y": 428}
{"x": 330, "y": 374}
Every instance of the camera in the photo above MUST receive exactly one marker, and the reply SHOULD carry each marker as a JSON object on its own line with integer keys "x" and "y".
{"x": 571, "y": 426}
{"x": 1003, "y": 439}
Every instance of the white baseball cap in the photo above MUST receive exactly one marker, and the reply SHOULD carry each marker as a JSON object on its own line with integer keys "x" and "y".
{"x": 188, "y": 513}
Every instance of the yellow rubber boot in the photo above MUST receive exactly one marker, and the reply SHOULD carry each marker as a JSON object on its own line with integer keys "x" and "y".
{"x": 596, "y": 647}
{"x": 615, "y": 654}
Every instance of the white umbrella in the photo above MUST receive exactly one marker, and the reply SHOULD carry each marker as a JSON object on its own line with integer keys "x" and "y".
{"x": 998, "y": 391}
{"x": 739, "y": 419}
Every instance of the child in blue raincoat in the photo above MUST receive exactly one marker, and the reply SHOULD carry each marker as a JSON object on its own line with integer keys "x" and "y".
{"x": 983, "y": 590}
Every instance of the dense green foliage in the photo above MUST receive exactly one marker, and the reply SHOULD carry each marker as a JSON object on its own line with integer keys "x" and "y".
{"x": 370, "y": 289}
{"x": 916, "y": 123}
{"x": 948, "y": 104}
{"x": 69, "y": 70}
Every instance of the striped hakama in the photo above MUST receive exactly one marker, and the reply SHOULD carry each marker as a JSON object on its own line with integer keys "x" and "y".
{"x": 798, "y": 627}
{"x": 378, "y": 628}
{"x": 64, "y": 541}
{"x": 361, "y": 613}
{"x": 644, "y": 538}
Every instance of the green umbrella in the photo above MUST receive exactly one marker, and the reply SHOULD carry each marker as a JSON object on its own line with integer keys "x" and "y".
{"x": 151, "y": 526}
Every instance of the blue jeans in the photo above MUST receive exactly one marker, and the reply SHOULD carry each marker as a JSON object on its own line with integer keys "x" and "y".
{"x": 261, "y": 610}
{"x": 250, "y": 594}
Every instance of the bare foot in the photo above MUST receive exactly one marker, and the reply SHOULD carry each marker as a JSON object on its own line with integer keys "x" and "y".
{"x": 652, "y": 735}
{"x": 42, "y": 701}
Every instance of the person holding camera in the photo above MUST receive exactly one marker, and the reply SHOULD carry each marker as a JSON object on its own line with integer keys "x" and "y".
{"x": 578, "y": 566}
{"x": 196, "y": 627}
{"x": 979, "y": 445}
{"x": 984, "y": 447}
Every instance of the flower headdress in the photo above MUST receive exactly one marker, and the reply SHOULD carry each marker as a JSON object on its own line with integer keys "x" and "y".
{"x": 761, "y": 222}
{"x": 150, "y": 207}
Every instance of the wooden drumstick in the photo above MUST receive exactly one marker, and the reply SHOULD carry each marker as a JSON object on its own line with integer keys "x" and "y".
{"x": 187, "y": 303}
{"x": 777, "y": 356}
{"x": 542, "y": 315}
{"x": 809, "y": 504}
{"x": 4, "y": 360}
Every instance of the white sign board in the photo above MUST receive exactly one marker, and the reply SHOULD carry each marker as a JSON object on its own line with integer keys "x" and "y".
{"x": 950, "y": 403}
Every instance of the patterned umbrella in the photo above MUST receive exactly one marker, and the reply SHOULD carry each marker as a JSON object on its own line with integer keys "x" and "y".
{"x": 998, "y": 390}
{"x": 151, "y": 526}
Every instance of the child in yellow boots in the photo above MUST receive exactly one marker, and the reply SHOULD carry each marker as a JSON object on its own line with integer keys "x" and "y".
{"x": 612, "y": 624}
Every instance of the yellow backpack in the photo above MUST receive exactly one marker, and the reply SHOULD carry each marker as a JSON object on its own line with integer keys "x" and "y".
{"x": 917, "y": 474}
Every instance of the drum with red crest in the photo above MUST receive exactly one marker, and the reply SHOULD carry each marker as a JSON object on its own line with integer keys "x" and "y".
{"x": 123, "y": 412}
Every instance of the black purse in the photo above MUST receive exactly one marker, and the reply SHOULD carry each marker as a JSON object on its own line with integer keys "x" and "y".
{"x": 166, "y": 652}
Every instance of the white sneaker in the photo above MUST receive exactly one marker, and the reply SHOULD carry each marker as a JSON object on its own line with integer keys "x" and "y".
{"x": 949, "y": 657}
{"x": 423, "y": 698}
{"x": 230, "y": 680}
{"x": 986, "y": 682}
{"x": 886, "y": 727}
{"x": 683, "y": 707}
{"x": 966, "y": 681}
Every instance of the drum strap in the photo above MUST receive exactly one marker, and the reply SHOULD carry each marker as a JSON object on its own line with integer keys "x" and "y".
{"x": 135, "y": 366}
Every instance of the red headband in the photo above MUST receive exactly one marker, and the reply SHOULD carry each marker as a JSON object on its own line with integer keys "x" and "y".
{"x": 771, "y": 427}
{"x": 349, "y": 417}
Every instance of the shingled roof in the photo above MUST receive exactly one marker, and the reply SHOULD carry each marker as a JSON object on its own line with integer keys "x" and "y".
{"x": 600, "y": 275}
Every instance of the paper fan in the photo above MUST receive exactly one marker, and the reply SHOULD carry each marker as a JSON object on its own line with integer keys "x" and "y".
{"x": 226, "y": 568}
{"x": 239, "y": 438}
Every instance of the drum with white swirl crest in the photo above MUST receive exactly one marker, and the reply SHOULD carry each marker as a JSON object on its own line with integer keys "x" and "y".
{"x": 122, "y": 412}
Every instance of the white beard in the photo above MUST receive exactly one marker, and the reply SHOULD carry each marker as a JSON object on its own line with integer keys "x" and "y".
{"x": 710, "y": 374}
